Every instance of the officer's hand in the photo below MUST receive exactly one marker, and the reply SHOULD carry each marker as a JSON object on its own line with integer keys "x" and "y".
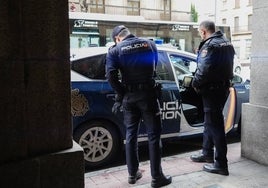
{"x": 117, "y": 107}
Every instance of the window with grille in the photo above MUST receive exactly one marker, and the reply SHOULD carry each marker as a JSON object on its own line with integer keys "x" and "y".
{"x": 133, "y": 7}
{"x": 237, "y": 3}
{"x": 97, "y": 6}
{"x": 236, "y": 24}
{"x": 250, "y": 22}
{"x": 166, "y": 15}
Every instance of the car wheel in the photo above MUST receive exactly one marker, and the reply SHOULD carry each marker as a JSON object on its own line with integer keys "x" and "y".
{"x": 237, "y": 70}
{"x": 100, "y": 141}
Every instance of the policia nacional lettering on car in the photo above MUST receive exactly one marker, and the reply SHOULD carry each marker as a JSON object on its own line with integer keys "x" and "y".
{"x": 101, "y": 133}
{"x": 171, "y": 110}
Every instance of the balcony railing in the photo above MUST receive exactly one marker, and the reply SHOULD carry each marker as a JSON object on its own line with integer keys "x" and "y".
{"x": 241, "y": 29}
{"x": 147, "y": 13}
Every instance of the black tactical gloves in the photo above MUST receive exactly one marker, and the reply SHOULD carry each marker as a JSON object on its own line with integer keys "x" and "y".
{"x": 117, "y": 107}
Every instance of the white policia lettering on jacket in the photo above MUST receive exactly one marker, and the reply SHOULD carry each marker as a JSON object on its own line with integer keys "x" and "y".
{"x": 135, "y": 46}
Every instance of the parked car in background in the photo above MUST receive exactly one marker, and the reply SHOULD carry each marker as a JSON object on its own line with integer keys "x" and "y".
{"x": 102, "y": 134}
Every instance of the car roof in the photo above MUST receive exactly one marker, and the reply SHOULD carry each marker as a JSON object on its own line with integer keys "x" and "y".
{"x": 175, "y": 50}
{"x": 80, "y": 53}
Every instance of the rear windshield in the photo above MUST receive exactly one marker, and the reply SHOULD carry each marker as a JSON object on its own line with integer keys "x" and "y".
{"x": 91, "y": 67}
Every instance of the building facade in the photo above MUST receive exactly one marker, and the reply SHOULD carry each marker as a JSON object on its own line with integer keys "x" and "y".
{"x": 151, "y": 10}
{"x": 237, "y": 14}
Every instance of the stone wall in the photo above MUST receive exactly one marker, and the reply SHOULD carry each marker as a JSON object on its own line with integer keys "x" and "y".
{"x": 36, "y": 127}
{"x": 255, "y": 114}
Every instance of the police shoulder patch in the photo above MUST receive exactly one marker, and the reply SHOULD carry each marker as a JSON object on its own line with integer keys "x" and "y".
{"x": 204, "y": 52}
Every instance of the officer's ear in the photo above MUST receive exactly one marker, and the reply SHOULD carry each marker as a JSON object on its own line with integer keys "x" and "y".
{"x": 119, "y": 39}
{"x": 202, "y": 32}
{"x": 116, "y": 39}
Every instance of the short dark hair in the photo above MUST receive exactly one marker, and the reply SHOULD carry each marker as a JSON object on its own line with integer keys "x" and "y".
{"x": 208, "y": 25}
{"x": 117, "y": 30}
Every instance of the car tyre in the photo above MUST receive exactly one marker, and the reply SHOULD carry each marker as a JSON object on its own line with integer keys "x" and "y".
{"x": 100, "y": 141}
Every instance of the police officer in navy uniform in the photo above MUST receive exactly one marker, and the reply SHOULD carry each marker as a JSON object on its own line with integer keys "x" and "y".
{"x": 212, "y": 81}
{"x": 136, "y": 58}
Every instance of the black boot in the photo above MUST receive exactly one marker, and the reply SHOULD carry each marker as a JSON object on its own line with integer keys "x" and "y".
{"x": 216, "y": 170}
{"x": 161, "y": 181}
{"x": 133, "y": 179}
{"x": 202, "y": 158}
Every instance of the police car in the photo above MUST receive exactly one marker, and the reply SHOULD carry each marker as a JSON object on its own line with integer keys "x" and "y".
{"x": 102, "y": 133}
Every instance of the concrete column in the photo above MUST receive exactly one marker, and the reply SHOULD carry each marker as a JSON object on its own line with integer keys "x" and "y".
{"x": 36, "y": 143}
{"x": 255, "y": 114}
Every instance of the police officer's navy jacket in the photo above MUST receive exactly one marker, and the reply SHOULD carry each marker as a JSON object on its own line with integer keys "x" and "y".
{"x": 136, "y": 59}
{"x": 215, "y": 61}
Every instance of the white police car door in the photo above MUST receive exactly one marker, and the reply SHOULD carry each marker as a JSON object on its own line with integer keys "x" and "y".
{"x": 190, "y": 106}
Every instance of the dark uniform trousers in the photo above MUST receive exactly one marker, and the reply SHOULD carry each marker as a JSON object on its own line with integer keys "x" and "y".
{"x": 142, "y": 105}
{"x": 214, "y": 133}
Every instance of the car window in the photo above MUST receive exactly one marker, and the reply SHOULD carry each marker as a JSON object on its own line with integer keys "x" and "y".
{"x": 183, "y": 61}
{"x": 162, "y": 70}
{"x": 181, "y": 65}
{"x": 180, "y": 70}
{"x": 91, "y": 67}
{"x": 179, "y": 60}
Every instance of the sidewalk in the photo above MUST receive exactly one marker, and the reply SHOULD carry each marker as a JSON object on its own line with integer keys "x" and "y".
{"x": 244, "y": 173}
